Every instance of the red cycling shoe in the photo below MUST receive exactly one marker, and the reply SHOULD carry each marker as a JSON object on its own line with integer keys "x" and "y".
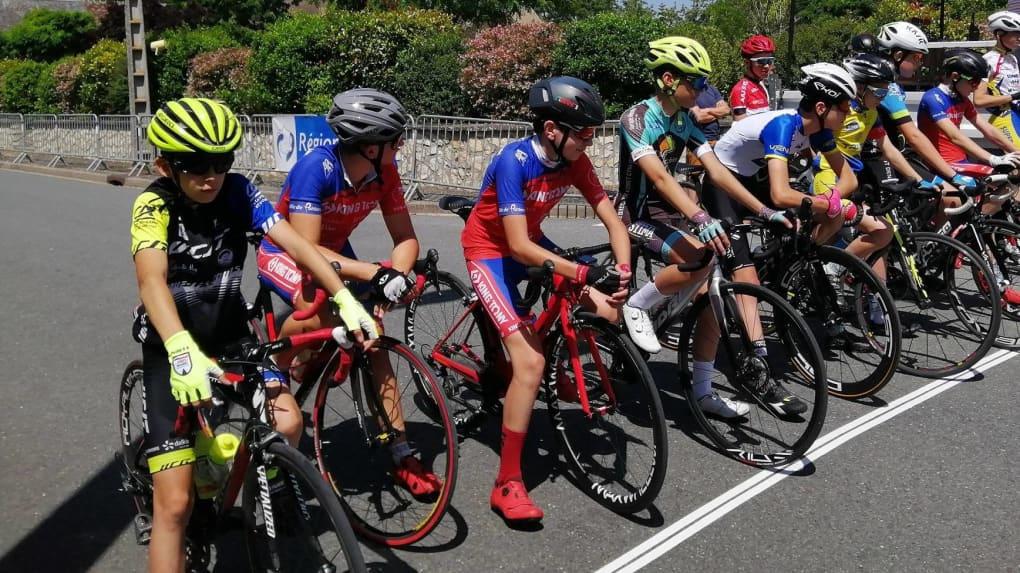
{"x": 510, "y": 499}
{"x": 413, "y": 476}
{"x": 1011, "y": 296}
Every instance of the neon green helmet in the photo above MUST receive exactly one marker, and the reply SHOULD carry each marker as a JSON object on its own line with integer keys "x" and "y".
{"x": 194, "y": 125}
{"x": 682, "y": 53}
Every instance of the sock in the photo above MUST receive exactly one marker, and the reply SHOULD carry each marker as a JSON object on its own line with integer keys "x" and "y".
{"x": 510, "y": 456}
{"x": 646, "y": 297}
{"x": 702, "y": 381}
{"x": 399, "y": 451}
{"x": 760, "y": 349}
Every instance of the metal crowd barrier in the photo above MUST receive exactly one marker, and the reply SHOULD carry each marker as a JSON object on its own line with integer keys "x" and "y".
{"x": 444, "y": 152}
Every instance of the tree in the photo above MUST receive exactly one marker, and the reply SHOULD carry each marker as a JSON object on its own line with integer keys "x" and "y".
{"x": 49, "y": 34}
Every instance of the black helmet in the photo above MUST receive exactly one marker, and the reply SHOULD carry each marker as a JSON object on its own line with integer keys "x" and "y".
{"x": 870, "y": 69}
{"x": 863, "y": 44}
{"x": 365, "y": 115}
{"x": 566, "y": 100}
{"x": 967, "y": 63}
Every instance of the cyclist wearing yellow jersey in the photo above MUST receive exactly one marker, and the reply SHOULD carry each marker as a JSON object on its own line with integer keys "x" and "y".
{"x": 188, "y": 239}
{"x": 999, "y": 94}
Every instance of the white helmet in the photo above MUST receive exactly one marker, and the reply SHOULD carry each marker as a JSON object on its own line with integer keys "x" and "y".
{"x": 827, "y": 82}
{"x": 902, "y": 36}
{"x": 1004, "y": 21}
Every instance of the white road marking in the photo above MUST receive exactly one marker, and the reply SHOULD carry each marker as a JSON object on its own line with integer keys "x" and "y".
{"x": 672, "y": 536}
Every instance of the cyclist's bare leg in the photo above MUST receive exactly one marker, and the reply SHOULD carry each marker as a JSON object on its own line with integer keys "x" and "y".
{"x": 876, "y": 234}
{"x": 601, "y": 304}
{"x": 528, "y": 362}
{"x": 388, "y": 390}
{"x": 172, "y": 499}
{"x": 825, "y": 228}
{"x": 287, "y": 417}
{"x": 749, "y": 305}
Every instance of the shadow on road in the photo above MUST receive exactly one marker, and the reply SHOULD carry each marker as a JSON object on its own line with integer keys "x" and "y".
{"x": 77, "y": 533}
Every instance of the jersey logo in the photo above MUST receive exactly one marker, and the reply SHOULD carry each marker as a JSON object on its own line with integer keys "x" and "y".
{"x": 825, "y": 89}
{"x": 182, "y": 364}
{"x": 521, "y": 156}
{"x": 327, "y": 167}
{"x": 777, "y": 149}
{"x": 854, "y": 125}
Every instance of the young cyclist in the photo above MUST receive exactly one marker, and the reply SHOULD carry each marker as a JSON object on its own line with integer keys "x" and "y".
{"x": 188, "y": 241}
{"x": 326, "y": 195}
{"x": 999, "y": 93}
{"x": 942, "y": 110}
{"x": 904, "y": 45}
{"x": 503, "y": 235}
{"x": 654, "y": 134}
{"x": 749, "y": 96}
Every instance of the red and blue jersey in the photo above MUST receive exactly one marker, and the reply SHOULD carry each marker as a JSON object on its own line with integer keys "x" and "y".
{"x": 937, "y": 104}
{"x": 318, "y": 185}
{"x": 520, "y": 180}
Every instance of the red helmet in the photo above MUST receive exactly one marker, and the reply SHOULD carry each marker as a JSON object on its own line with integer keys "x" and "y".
{"x": 757, "y": 44}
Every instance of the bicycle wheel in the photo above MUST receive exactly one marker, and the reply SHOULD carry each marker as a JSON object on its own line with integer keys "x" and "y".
{"x": 619, "y": 451}
{"x": 356, "y": 424}
{"x": 1002, "y": 239}
{"x": 438, "y": 324}
{"x": 306, "y": 528}
{"x": 953, "y": 324}
{"x": 134, "y": 471}
{"x": 852, "y": 316}
{"x": 762, "y": 437}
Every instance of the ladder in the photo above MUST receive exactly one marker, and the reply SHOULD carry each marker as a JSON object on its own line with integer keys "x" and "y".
{"x": 138, "y": 60}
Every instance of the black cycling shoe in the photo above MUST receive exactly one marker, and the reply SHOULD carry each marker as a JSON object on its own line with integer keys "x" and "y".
{"x": 782, "y": 402}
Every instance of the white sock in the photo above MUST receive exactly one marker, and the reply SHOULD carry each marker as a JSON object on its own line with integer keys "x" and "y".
{"x": 646, "y": 297}
{"x": 702, "y": 378}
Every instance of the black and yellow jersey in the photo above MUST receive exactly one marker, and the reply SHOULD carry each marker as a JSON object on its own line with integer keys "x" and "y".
{"x": 206, "y": 248}
{"x": 859, "y": 126}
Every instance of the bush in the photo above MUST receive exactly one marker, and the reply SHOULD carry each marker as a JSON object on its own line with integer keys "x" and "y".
{"x": 65, "y": 82}
{"x": 170, "y": 68}
{"x": 426, "y": 75}
{"x": 101, "y": 86}
{"x": 501, "y": 63}
{"x": 18, "y": 90}
{"x": 608, "y": 50}
{"x": 49, "y": 34}
{"x": 219, "y": 74}
{"x": 304, "y": 60}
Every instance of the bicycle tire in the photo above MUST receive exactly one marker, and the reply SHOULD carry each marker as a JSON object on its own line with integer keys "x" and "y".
{"x": 304, "y": 495}
{"x": 634, "y": 402}
{"x": 1003, "y": 238}
{"x": 743, "y": 439}
{"x": 937, "y": 258}
{"x": 861, "y": 358}
{"x": 351, "y": 444}
{"x": 131, "y": 428}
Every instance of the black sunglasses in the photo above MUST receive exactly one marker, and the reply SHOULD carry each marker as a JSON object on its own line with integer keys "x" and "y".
{"x": 202, "y": 163}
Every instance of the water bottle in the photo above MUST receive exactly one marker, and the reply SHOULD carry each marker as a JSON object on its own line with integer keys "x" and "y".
{"x": 212, "y": 464}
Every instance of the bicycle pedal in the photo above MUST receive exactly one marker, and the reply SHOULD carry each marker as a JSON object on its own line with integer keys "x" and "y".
{"x": 143, "y": 528}
{"x": 470, "y": 422}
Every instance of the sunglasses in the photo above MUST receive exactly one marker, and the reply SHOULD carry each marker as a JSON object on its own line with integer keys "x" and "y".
{"x": 880, "y": 93}
{"x": 697, "y": 82}
{"x": 202, "y": 163}
{"x": 764, "y": 61}
{"x": 972, "y": 81}
{"x": 585, "y": 133}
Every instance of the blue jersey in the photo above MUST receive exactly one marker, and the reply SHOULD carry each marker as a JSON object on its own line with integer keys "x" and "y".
{"x": 779, "y": 134}
{"x": 893, "y": 112}
{"x": 520, "y": 180}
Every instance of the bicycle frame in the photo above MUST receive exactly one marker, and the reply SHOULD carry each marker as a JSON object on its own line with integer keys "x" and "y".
{"x": 564, "y": 296}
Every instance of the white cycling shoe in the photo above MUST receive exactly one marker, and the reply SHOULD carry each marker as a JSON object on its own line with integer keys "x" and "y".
{"x": 639, "y": 326}
{"x": 720, "y": 407}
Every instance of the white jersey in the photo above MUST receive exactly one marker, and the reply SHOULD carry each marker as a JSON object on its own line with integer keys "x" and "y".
{"x": 773, "y": 134}
{"x": 1003, "y": 73}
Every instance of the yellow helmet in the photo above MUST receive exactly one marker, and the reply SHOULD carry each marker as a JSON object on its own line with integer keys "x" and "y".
{"x": 682, "y": 53}
{"x": 194, "y": 125}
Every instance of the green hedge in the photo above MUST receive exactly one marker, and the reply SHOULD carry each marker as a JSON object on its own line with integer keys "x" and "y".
{"x": 47, "y": 35}
{"x": 101, "y": 84}
{"x": 18, "y": 92}
{"x": 170, "y": 68}
{"x": 426, "y": 75}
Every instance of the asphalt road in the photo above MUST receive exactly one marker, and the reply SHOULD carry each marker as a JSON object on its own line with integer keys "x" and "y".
{"x": 923, "y": 478}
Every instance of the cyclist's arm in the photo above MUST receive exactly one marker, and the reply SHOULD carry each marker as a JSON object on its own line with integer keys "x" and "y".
{"x": 668, "y": 188}
{"x": 962, "y": 141}
{"x": 618, "y": 236}
{"x": 405, "y": 242}
{"x": 984, "y": 98}
{"x": 527, "y": 252}
{"x": 725, "y": 179}
{"x": 783, "y": 196}
{"x": 992, "y": 134}
{"x": 896, "y": 159}
{"x": 306, "y": 254}
{"x": 151, "y": 270}
{"x": 924, "y": 147}
{"x": 309, "y": 227}
{"x": 721, "y": 109}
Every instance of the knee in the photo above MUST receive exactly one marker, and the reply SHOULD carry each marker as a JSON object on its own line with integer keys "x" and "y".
{"x": 289, "y": 424}
{"x": 530, "y": 369}
{"x": 173, "y": 505}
